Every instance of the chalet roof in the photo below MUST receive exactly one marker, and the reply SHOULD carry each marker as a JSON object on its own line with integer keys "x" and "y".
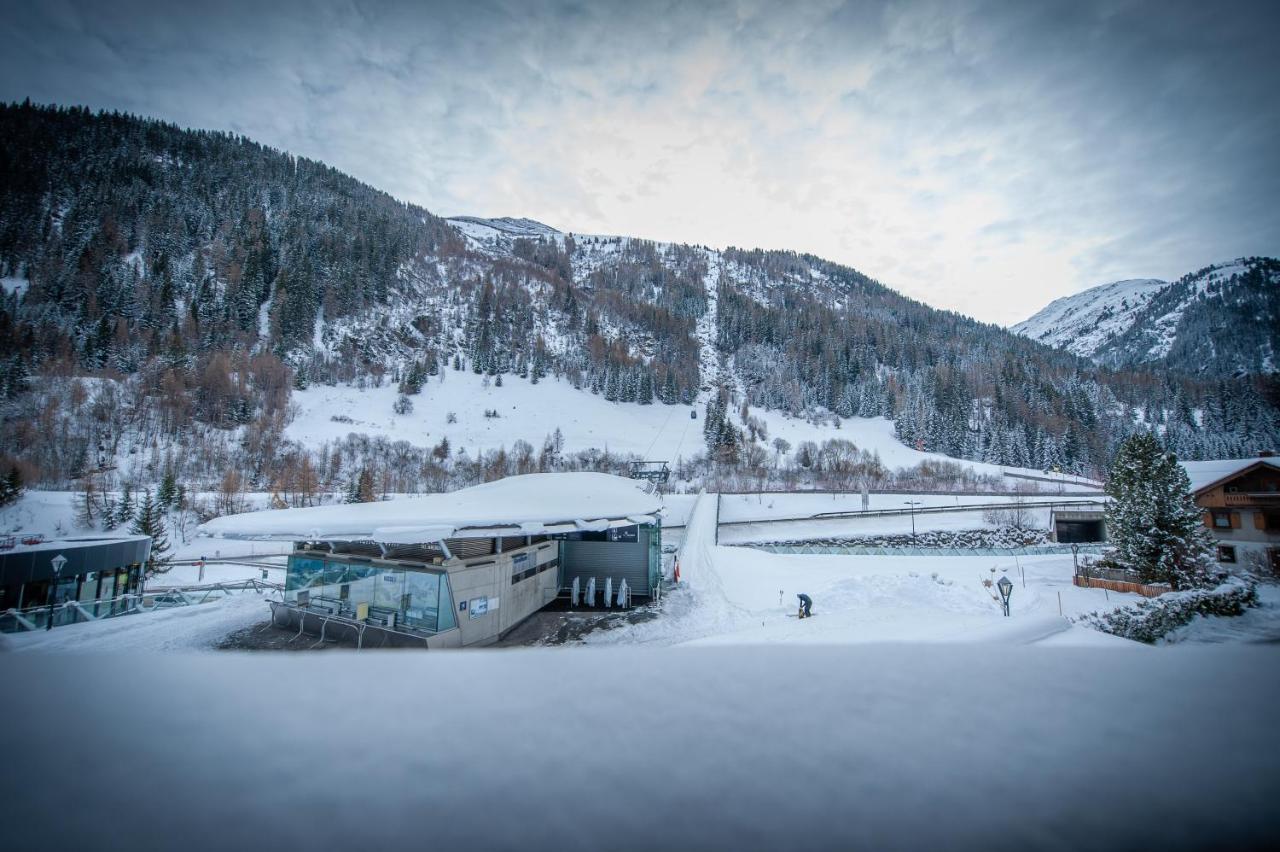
{"x": 1208, "y": 474}
{"x": 533, "y": 504}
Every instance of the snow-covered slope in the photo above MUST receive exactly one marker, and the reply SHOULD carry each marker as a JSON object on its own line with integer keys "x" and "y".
{"x": 1219, "y": 320}
{"x": 480, "y": 227}
{"x": 1084, "y": 322}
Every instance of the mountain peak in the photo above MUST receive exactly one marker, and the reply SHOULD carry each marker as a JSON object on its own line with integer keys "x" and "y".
{"x": 478, "y": 226}
{"x": 1180, "y": 323}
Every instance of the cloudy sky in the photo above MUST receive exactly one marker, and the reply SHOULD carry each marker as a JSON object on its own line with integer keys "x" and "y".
{"x": 984, "y": 157}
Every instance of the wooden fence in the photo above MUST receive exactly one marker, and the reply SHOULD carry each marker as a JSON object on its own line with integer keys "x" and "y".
{"x": 1147, "y": 591}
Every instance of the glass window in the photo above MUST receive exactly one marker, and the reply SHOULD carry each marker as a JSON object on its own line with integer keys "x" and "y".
{"x": 422, "y": 599}
{"x": 303, "y": 573}
{"x": 1226, "y": 553}
{"x": 388, "y": 589}
{"x": 1222, "y": 520}
{"x": 447, "y": 620}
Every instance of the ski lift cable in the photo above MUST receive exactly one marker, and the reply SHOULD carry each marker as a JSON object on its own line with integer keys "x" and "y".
{"x": 661, "y": 429}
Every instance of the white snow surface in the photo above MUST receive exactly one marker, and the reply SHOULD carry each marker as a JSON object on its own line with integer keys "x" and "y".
{"x": 865, "y": 747}
{"x": 479, "y": 227}
{"x": 532, "y": 504}
{"x": 532, "y": 412}
{"x": 1204, "y": 473}
{"x": 12, "y": 284}
{"x": 1084, "y": 322}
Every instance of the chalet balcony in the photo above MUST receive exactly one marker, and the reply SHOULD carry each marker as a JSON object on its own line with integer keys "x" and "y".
{"x": 1254, "y": 498}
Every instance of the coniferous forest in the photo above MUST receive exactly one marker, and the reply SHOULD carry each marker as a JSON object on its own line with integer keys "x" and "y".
{"x": 169, "y": 289}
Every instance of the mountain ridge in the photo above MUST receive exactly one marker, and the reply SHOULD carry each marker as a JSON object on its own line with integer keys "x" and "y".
{"x": 1221, "y": 319}
{"x": 206, "y": 275}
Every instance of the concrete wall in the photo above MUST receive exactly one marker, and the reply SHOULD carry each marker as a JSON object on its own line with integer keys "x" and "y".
{"x": 489, "y": 578}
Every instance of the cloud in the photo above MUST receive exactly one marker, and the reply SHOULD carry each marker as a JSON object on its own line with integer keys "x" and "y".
{"x": 985, "y": 157}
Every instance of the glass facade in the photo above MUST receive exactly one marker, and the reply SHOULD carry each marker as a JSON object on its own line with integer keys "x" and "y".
{"x": 419, "y": 598}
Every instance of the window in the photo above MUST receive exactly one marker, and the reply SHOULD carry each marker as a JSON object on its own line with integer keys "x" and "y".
{"x": 1226, "y": 553}
{"x": 1221, "y": 520}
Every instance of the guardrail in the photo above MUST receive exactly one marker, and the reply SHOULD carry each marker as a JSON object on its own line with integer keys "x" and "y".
{"x": 922, "y": 510}
{"x": 857, "y": 550}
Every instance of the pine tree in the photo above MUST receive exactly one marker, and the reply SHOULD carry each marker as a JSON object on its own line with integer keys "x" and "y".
{"x": 1153, "y": 520}
{"x": 124, "y": 511}
{"x": 150, "y": 522}
{"x": 167, "y": 492}
{"x": 352, "y": 493}
{"x": 11, "y": 486}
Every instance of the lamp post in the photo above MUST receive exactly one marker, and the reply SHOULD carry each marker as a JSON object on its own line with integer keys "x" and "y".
{"x": 1075, "y": 554}
{"x": 58, "y": 562}
{"x": 1006, "y": 588}
{"x": 913, "y": 504}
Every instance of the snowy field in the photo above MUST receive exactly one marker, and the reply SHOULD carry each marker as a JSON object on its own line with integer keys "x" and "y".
{"x": 531, "y": 412}
{"x": 889, "y": 746}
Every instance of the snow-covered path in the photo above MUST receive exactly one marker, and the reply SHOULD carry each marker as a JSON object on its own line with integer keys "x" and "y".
{"x": 732, "y": 595}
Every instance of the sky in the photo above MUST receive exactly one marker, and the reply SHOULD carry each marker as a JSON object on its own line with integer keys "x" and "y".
{"x": 981, "y": 157}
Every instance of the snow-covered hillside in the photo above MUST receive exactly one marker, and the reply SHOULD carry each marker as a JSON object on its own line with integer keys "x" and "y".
{"x": 1083, "y": 323}
{"x": 1221, "y": 320}
{"x": 481, "y": 228}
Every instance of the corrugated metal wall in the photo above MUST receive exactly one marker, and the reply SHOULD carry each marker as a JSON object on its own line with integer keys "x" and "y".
{"x": 603, "y": 559}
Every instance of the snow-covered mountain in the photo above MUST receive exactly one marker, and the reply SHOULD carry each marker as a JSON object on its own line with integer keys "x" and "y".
{"x": 1085, "y": 322}
{"x": 1222, "y": 320}
{"x": 198, "y": 286}
{"x": 481, "y": 228}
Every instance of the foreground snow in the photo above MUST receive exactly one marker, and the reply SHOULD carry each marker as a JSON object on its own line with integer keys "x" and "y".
{"x": 884, "y": 747}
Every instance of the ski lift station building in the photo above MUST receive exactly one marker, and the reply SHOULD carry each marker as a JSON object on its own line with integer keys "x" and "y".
{"x": 459, "y": 569}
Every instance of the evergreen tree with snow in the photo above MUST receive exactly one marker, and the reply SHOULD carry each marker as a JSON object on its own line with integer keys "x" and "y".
{"x": 11, "y": 486}
{"x": 149, "y": 521}
{"x": 168, "y": 490}
{"x": 1153, "y": 520}
{"x": 124, "y": 510}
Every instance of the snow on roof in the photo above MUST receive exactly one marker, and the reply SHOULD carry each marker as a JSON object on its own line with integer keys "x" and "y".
{"x": 41, "y": 543}
{"x": 532, "y": 504}
{"x": 1206, "y": 473}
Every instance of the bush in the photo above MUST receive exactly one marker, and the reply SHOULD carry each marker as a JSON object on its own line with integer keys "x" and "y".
{"x": 1151, "y": 620}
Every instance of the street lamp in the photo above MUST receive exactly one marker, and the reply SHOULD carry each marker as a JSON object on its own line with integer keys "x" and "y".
{"x": 1006, "y": 588}
{"x": 913, "y": 504}
{"x": 58, "y": 562}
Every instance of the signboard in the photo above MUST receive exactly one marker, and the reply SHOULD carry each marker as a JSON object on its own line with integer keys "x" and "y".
{"x": 625, "y": 534}
{"x": 519, "y": 562}
{"x": 480, "y": 606}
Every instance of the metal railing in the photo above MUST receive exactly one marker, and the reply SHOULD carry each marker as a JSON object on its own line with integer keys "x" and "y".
{"x": 921, "y": 510}
{"x": 326, "y": 618}
{"x": 68, "y": 612}
{"x": 132, "y": 603}
{"x": 858, "y": 550}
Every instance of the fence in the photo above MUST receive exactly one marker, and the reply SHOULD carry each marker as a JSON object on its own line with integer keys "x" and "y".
{"x": 1147, "y": 590}
{"x": 76, "y": 611}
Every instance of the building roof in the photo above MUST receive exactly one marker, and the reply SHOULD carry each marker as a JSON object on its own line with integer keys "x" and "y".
{"x": 533, "y": 504}
{"x": 66, "y": 543}
{"x": 1206, "y": 474}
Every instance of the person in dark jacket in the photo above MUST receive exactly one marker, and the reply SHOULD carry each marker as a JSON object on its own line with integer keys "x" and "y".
{"x": 806, "y": 604}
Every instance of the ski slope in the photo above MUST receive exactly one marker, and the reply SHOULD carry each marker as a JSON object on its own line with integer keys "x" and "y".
{"x": 532, "y": 412}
